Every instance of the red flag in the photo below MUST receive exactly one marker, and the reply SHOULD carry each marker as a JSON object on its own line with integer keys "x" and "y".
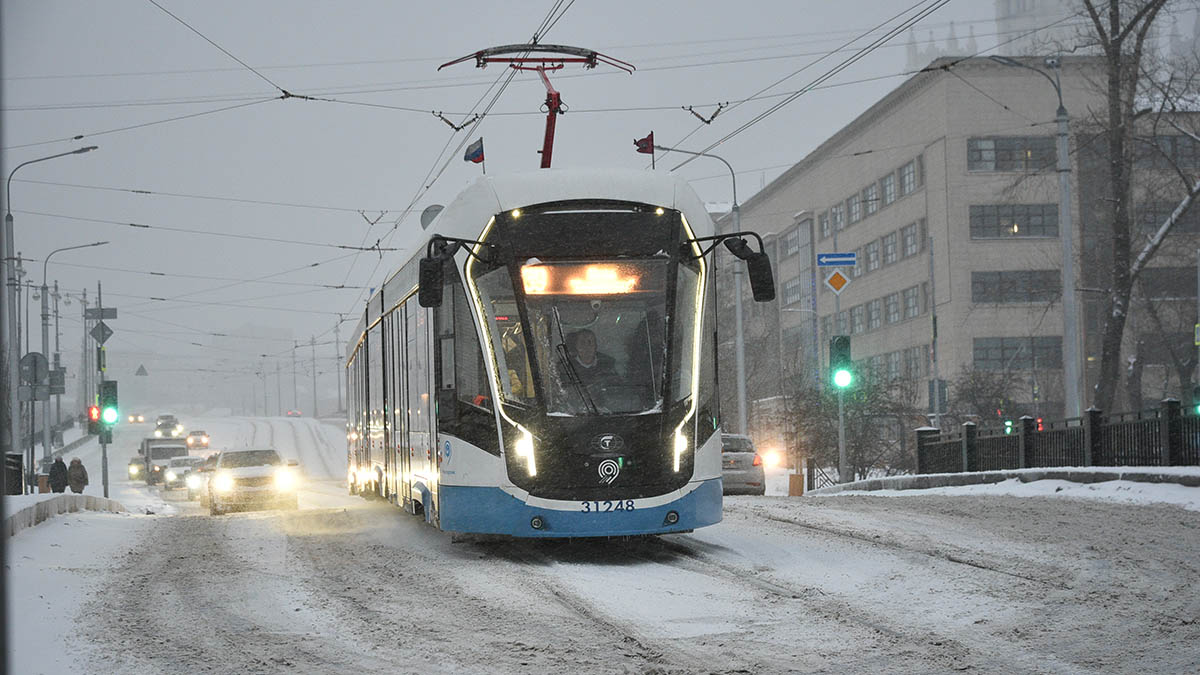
{"x": 645, "y": 145}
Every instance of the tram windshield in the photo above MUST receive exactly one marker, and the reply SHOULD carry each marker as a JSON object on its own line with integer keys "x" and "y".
{"x": 598, "y": 334}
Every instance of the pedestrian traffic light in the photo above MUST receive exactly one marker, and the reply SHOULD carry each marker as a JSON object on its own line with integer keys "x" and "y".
{"x": 1196, "y": 399}
{"x": 108, "y": 403}
{"x": 841, "y": 368}
{"x": 93, "y": 413}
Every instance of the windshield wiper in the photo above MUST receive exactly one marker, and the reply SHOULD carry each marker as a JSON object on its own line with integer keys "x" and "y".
{"x": 569, "y": 368}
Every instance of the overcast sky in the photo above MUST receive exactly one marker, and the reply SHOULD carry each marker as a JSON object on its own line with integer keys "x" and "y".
{"x": 297, "y": 172}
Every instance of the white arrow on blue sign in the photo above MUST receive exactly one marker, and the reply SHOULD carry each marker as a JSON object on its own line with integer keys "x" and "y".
{"x": 837, "y": 259}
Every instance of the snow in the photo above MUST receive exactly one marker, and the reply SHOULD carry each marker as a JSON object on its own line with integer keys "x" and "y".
{"x": 1011, "y": 577}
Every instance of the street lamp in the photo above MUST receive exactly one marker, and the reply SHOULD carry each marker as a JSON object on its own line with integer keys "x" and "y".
{"x": 46, "y": 342}
{"x": 1071, "y": 370}
{"x": 740, "y": 338}
{"x": 8, "y": 316}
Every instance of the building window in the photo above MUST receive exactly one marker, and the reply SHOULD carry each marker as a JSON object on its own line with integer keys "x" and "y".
{"x": 1168, "y": 152}
{"x": 1162, "y": 283}
{"x": 893, "y": 365}
{"x": 1000, "y": 221}
{"x": 912, "y": 302}
{"x": 791, "y": 243}
{"x": 875, "y": 364}
{"x": 890, "y": 250}
{"x": 854, "y": 206}
{"x": 872, "y": 250}
{"x": 891, "y": 305}
{"x": 860, "y": 266}
{"x": 1150, "y": 216}
{"x": 870, "y": 197}
{"x": 792, "y": 291}
{"x": 838, "y": 215}
{"x": 915, "y": 361}
{"x": 823, "y": 221}
{"x": 842, "y": 322}
{"x": 858, "y": 319}
{"x": 1016, "y": 286}
{"x": 874, "y": 314}
{"x": 908, "y": 178}
{"x": 1018, "y": 353}
{"x": 1010, "y": 153}
{"x": 888, "y": 185}
{"x": 908, "y": 237}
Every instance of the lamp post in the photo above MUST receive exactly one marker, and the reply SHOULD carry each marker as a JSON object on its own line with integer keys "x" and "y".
{"x": 46, "y": 340}
{"x": 740, "y": 338}
{"x": 8, "y": 317}
{"x": 1071, "y": 361}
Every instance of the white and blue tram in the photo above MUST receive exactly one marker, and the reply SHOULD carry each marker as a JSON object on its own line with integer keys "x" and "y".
{"x": 546, "y": 366}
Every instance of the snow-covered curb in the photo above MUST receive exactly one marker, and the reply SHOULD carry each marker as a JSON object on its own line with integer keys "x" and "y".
{"x": 1074, "y": 475}
{"x": 48, "y": 508}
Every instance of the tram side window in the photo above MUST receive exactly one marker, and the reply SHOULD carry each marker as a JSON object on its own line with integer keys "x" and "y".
{"x": 464, "y": 396}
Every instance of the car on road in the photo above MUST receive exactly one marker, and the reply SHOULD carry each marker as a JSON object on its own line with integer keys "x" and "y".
{"x": 178, "y": 469}
{"x": 741, "y": 466}
{"x": 293, "y": 413}
{"x": 197, "y": 481}
{"x": 157, "y": 453}
{"x": 137, "y": 468}
{"x": 135, "y": 418}
{"x": 167, "y": 426}
{"x": 252, "y": 478}
{"x": 197, "y": 439}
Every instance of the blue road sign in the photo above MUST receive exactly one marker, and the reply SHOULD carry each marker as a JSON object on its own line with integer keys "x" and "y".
{"x": 837, "y": 259}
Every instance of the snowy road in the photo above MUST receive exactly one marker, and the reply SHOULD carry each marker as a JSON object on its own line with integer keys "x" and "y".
{"x": 847, "y": 585}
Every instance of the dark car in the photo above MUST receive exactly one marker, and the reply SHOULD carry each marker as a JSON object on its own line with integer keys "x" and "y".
{"x": 741, "y": 466}
{"x": 137, "y": 468}
{"x": 167, "y": 426}
{"x": 197, "y": 439}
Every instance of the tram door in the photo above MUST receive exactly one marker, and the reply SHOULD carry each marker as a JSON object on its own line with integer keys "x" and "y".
{"x": 391, "y": 470}
{"x": 419, "y": 405}
{"x": 399, "y": 447}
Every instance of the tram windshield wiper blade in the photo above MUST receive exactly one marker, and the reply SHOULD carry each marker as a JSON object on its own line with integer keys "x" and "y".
{"x": 569, "y": 368}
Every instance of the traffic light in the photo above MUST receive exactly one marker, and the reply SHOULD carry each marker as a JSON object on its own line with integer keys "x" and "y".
{"x": 841, "y": 368}
{"x": 1196, "y": 399}
{"x": 1008, "y": 427}
{"x": 108, "y": 403}
{"x": 93, "y": 414}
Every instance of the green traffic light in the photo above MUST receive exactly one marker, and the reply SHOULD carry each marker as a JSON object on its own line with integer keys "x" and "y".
{"x": 842, "y": 378}
{"x": 1008, "y": 427}
{"x": 109, "y": 415}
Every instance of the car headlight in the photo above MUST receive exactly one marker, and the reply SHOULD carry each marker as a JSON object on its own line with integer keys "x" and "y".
{"x": 133, "y": 469}
{"x": 223, "y": 482}
{"x": 131, "y": 419}
{"x": 286, "y": 479}
{"x": 204, "y": 439}
{"x": 157, "y": 467}
{"x": 192, "y": 481}
{"x": 141, "y": 418}
{"x": 190, "y": 440}
{"x": 158, "y": 433}
{"x": 171, "y": 476}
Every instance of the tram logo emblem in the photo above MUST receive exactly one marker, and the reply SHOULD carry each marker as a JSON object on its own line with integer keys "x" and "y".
{"x": 609, "y": 470}
{"x": 608, "y": 443}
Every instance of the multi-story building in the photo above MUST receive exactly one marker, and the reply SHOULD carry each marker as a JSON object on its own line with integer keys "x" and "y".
{"x": 947, "y": 192}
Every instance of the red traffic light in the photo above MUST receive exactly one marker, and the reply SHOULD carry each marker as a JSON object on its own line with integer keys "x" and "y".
{"x": 94, "y": 413}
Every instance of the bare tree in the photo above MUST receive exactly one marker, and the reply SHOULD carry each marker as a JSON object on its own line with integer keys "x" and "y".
{"x": 1121, "y": 29}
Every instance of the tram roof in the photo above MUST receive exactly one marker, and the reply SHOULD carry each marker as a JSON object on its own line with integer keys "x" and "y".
{"x": 489, "y": 195}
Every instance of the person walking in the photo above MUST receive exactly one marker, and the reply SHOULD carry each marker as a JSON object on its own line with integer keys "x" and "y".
{"x": 58, "y": 475}
{"x": 77, "y": 476}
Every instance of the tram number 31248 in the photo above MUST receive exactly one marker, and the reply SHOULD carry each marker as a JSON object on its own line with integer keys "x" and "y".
{"x": 606, "y": 506}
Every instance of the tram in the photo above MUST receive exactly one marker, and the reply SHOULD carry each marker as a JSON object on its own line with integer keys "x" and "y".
{"x": 546, "y": 366}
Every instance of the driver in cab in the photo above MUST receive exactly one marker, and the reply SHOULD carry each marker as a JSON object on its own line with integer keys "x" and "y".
{"x": 592, "y": 366}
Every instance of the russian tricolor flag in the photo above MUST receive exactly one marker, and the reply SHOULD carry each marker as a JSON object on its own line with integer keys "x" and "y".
{"x": 475, "y": 151}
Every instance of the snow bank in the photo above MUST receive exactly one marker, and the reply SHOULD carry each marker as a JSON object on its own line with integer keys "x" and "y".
{"x": 41, "y": 510}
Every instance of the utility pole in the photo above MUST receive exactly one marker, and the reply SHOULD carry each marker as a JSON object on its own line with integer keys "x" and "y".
{"x": 295, "y": 389}
{"x": 337, "y": 359}
{"x": 100, "y": 369}
{"x": 313, "y": 342}
{"x": 57, "y": 359}
{"x": 936, "y": 396}
{"x": 278, "y": 390}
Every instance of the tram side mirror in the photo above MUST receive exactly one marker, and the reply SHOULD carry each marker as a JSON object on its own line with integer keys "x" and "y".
{"x": 762, "y": 281}
{"x": 429, "y": 293}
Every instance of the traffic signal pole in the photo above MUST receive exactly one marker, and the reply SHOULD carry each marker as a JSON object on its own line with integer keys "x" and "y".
{"x": 100, "y": 370}
{"x": 842, "y": 468}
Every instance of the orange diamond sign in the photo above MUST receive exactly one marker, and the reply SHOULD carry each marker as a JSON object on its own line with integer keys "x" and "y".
{"x": 837, "y": 281}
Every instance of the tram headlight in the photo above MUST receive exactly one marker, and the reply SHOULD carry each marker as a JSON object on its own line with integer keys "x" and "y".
{"x": 525, "y": 450}
{"x": 681, "y": 445}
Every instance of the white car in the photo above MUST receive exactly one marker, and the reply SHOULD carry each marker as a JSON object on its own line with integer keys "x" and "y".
{"x": 252, "y": 478}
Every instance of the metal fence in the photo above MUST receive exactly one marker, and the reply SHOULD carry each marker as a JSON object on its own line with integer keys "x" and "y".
{"x": 1160, "y": 437}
